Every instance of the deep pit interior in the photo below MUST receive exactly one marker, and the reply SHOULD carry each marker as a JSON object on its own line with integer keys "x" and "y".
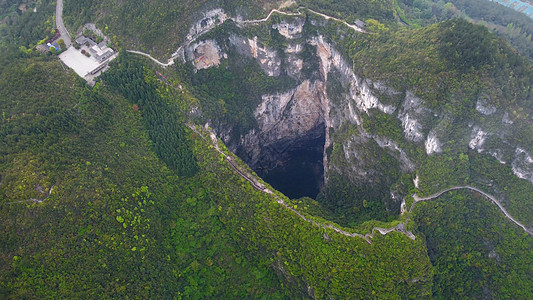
{"x": 272, "y": 107}
{"x": 295, "y": 167}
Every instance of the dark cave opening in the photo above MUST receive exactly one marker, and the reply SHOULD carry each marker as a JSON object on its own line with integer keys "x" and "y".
{"x": 298, "y": 170}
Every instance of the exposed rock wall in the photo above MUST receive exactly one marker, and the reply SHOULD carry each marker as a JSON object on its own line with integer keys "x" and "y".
{"x": 306, "y": 112}
{"x": 523, "y": 164}
{"x": 205, "y": 54}
{"x": 290, "y": 30}
{"x": 267, "y": 58}
{"x": 432, "y": 144}
{"x": 285, "y": 120}
{"x": 208, "y": 21}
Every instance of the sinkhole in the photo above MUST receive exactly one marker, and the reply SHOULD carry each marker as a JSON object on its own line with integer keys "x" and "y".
{"x": 294, "y": 167}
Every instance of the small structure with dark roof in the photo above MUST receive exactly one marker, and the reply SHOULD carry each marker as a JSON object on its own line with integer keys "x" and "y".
{"x": 360, "y": 24}
{"x": 83, "y": 40}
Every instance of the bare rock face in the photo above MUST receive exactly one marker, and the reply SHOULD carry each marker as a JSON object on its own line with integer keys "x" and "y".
{"x": 205, "y": 54}
{"x": 305, "y": 113}
{"x": 285, "y": 120}
{"x": 523, "y": 164}
{"x": 290, "y": 30}
{"x": 432, "y": 144}
{"x": 294, "y": 64}
{"x": 483, "y": 106}
{"x": 208, "y": 21}
{"x": 410, "y": 113}
{"x": 267, "y": 58}
{"x": 360, "y": 90}
{"x": 477, "y": 139}
{"x": 333, "y": 124}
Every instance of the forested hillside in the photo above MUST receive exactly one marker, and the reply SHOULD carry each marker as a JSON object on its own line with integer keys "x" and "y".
{"x": 122, "y": 190}
{"x": 158, "y": 27}
{"x": 517, "y": 28}
{"x": 117, "y": 221}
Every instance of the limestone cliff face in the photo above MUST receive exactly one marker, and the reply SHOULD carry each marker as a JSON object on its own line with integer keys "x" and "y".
{"x": 267, "y": 58}
{"x": 305, "y": 113}
{"x": 290, "y": 30}
{"x": 331, "y": 103}
{"x": 286, "y": 120}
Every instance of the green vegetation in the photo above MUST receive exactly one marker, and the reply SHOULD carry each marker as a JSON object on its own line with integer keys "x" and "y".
{"x": 352, "y": 205}
{"x": 28, "y": 28}
{"x": 425, "y": 61}
{"x": 230, "y": 93}
{"x": 353, "y": 9}
{"x": 515, "y": 27}
{"x": 450, "y": 73}
{"x": 117, "y": 223}
{"x": 475, "y": 250}
{"x": 93, "y": 36}
{"x": 512, "y": 189}
{"x": 120, "y": 224}
{"x": 106, "y": 193}
{"x": 161, "y": 118}
{"x": 159, "y": 27}
{"x": 383, "y": 125}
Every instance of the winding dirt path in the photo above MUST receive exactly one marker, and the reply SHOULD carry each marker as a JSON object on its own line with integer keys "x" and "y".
{"x": 416, "y": 199}
{"x": 401, "y": 227}
{"x": 241, "y": 22}
{"x": 260, "y": 187}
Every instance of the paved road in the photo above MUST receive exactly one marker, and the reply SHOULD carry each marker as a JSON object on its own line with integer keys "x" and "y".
{"x": 59, "y": 24}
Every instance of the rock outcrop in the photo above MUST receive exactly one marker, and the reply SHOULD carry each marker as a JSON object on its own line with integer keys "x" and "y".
{"x": 267, "y": 58}
{"x": 285, "y": 120}
{"x": 310, "y": 112}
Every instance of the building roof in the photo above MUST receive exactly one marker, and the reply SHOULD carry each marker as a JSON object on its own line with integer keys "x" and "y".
{"x": 83, "y": 39}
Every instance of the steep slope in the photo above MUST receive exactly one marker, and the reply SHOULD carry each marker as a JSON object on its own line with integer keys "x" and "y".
{"x": 93, "y": 212}
{"x": 424, "y": 106}
{"x": 123, "y": 191}
{"x": 411, "y": 102}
